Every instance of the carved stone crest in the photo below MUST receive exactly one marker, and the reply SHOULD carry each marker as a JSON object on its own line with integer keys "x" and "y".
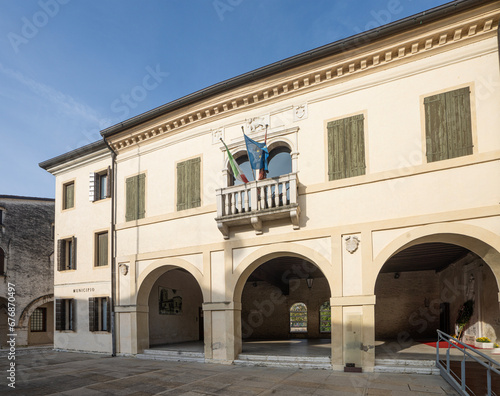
{"x": 300, "y": 112}
{"x": 256, "y": 124}
{"x": 123, "y": 269}
{"x": 217, "y": 134}
{"x": 351, "y": 244}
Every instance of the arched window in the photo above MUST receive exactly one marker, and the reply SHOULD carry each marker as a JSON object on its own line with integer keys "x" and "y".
{"x": 280, "y": 163}
{"x": 298, "y": 318}
{"x": 325, "y": 318}
{"x": 2, "y": 262}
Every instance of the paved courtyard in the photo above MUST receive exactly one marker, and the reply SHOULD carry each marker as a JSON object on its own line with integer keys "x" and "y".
{"x": 46, "y": 372}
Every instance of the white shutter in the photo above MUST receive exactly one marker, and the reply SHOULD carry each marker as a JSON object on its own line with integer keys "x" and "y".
{"x": 92, "y": 186}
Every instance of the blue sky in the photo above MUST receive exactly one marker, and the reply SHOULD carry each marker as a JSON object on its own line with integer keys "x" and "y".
{"x": 69, "y": 68}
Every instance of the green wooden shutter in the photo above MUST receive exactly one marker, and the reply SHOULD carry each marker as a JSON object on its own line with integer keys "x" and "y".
{"x": 355, "y": 146}
{"x": 72, "y": 313}
{"x": 107, "y": 326}
{"x": 458, "y": 122}
{"x": 59, "y": 314}
{"x": 194, "y": 183}
{"x": 131, "y": 199}
{"x": 135, "y": 197}
{"x": 435, "y": 128}
{"x": 92, "y": 315}
{"x": 141, "y": 196}
{"x": 102, "y": 249}
{"x": 336, "y": 150}
{"x": 182, "y": 186}
{"x": 61, "y": 255}
{"x": 73, "y": 253}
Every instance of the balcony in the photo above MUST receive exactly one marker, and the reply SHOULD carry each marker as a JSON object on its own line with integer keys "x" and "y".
{"x": 256, "y": 202}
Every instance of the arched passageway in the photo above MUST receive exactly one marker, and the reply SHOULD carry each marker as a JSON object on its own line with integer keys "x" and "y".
{"x": 423, "y": 286}
{"x": 170, "y": 300}
{"x": 175, "y": 314}
{"x": 286, "y": 309}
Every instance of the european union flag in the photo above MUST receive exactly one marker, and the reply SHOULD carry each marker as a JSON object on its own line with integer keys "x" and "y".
{"x": 258, "y": 154}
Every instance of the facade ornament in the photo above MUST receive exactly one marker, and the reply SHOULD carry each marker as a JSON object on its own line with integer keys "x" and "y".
{"x": 300, "y": 112}
{"x": 257, "y": 124}
{"x": 124, "y": 269}
{"x": 217, "y": 134}
{"x": 351, "y": 244}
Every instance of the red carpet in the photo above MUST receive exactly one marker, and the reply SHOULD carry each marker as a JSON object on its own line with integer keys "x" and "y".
{"x": 442, "y": 344}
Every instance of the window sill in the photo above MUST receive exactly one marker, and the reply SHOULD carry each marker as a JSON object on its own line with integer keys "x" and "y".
{"x": 101, "y": 200}
{"x": 101, "y": 266}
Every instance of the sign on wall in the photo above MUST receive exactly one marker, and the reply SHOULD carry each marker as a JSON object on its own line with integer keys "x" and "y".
{"x": 170, "y": 301}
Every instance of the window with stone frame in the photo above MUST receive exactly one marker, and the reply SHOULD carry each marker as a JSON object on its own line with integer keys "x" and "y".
{"x": 135, "y": 197}
{"x": 38, "y": 320}
{"x": 189, "y": 184}
{"x": 448, "y": 126}
{"x": 99, "y": 314}
{"x": 65, "y": 314}
{"x": 100, "y": 185}
{"x": 346, "y": 147}
{"x": 69, "y": 195}
{"x": 66, "y": 254}
{"x": 298, "y": 318}
{"x": 101, "y": 249}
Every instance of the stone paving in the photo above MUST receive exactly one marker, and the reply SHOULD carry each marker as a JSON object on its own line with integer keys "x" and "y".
{"x": 47, "y": 372}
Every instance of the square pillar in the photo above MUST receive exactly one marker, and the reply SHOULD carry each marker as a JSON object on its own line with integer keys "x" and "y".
{"x": 222, "y": 331}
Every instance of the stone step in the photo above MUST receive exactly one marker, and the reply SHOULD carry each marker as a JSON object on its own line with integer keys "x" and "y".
{"x": 285, "y": 361}
{"x": 399, "y": 366}
{"x": 173, "y": 356}
{"x": 402, "y": 362}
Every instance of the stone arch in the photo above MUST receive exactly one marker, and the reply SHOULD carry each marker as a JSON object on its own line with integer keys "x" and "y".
{"x": 153, "y": 271}
{"x": 478, "y": 240}
{"x": 28, "y": 310}
{"x": 266, "y": 253}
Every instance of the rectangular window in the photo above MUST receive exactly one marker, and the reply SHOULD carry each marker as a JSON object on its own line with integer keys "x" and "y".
{"x": 135, "y": 197}
{"x": 65, "y": 310}
{"x": 448, "y": 127}
{"x": 189, "y": 184}
{"x": 100, "y": 185}
{"x": 69, "y": 195}
{"x": 66, "y": 254}
{"x": 38, "y": 321}
{"x": 101, "y": 249}
{"x": 346, "y": 147}
{"x": 99, "y": 314}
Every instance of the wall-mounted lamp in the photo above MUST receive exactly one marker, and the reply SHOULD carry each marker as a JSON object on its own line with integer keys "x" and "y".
{"x": 309, "y": 281}
{"x": 396, "y": 275}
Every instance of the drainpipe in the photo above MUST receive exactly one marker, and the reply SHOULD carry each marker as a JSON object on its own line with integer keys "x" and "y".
{"x": 113, "y": 255}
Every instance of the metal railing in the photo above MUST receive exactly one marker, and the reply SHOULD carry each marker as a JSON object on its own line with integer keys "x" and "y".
{"x": 459, "y": 382}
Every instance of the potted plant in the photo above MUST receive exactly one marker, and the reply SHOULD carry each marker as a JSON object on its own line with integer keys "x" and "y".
{"x": 484, "y": 343}
{"x": 464, "y": 316}
{"x": 496, "y": 349}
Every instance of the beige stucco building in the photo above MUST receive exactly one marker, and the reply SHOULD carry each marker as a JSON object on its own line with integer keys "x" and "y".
{"x": 383, "y": 189}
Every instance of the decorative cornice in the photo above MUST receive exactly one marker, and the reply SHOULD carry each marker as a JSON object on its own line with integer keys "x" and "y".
{"x": 329, "y": 70}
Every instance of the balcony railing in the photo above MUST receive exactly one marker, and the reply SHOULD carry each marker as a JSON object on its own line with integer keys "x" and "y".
{"x": 258, "y": 201}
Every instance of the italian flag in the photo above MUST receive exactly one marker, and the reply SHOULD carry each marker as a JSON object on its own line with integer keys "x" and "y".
{"x": 237, "y": 172}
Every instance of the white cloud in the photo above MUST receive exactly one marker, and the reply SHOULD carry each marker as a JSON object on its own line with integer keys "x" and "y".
{"x": 63, "y": 102}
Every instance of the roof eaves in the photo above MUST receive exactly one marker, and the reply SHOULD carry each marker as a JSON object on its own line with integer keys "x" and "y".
{"x": 340, "y": 46}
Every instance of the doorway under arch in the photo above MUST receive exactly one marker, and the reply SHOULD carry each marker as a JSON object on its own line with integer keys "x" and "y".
{"x": 283, "y": 309}
{"x": 422, "y": 286}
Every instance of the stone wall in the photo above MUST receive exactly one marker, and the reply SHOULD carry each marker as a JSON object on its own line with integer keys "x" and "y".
{"x": 401, "y": 305}
{"x": 266, "y": 311}
{"x": 26, "y": 239}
